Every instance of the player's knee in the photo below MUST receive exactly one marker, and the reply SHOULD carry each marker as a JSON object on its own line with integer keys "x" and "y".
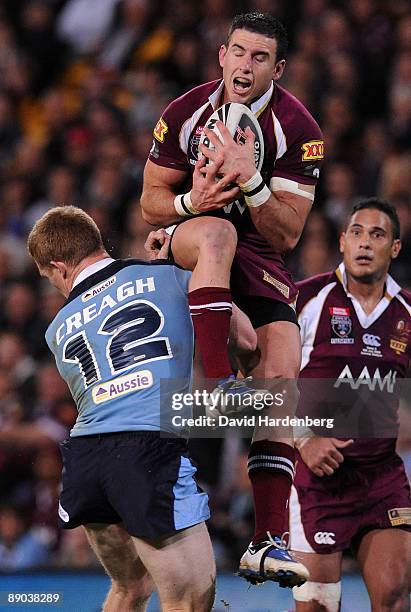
{"x": 321, "y": 596}
{"x": 131, "y": 592}
{"x": 191, "y": 597}
{"x": 390, "y": 598}
{"x": 218, "y": 235}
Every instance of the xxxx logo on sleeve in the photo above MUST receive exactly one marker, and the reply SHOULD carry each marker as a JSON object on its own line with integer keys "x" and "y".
{"x": 160, "y": 130}
{"x": 312, "y": 150}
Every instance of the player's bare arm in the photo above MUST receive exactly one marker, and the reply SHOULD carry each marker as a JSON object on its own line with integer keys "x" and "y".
{"x": 159, "y": 190}
{"x": 285, "y": 211}
{"x": 161, "y": 186}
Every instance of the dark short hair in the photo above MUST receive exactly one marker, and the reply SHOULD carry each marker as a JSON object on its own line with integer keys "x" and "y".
{"x": 262, "y": 23}
{"x": 383, "y": 206}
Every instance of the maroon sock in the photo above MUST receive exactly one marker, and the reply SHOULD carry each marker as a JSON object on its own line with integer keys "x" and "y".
{"x": 271, "y": 471}
{"x": 210, "y": 309}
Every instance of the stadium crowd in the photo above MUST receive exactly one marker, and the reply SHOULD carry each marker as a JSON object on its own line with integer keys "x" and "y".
{"x": 82, "y": 84}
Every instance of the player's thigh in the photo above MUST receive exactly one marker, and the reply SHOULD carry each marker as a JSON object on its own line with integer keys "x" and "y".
{"x": 182, "y": 567}
{"x": 325, "y": 573}
{"x": 200, "y": 233}
{"x": 280, "y": 346}
{"x": 384, "y": 556}
{"x": 116, "y": 551}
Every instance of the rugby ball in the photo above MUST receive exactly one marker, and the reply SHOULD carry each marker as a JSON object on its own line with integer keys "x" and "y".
{"x": 236, "y": 117}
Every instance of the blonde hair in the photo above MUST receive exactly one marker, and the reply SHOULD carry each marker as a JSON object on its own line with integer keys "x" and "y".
{"x": 64, "y": 233}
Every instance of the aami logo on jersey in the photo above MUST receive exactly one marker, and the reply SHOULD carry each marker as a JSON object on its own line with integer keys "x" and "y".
{"x": 341, "y": 325}
{"x": 372, "y": 344}
{"x": 88, "y": 295}
{"x": 312, "y": 150}
{"x": 373, "y": 381}
{"x": 122, "y": 385}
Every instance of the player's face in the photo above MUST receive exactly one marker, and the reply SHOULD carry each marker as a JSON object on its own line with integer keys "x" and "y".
{"x": 368, "y": 245}
{"x": 249, "y": 65}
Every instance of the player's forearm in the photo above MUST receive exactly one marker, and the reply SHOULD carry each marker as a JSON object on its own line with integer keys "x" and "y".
{"x": 279, "y": 224}
{"x": 157, "y": 204}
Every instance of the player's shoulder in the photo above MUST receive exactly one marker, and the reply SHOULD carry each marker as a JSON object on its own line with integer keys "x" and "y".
{"x": 190, "y": 101}
{"x": 293, "y": 115}
{"x": 404, "y": 296}
{"x": 311, "y": 287}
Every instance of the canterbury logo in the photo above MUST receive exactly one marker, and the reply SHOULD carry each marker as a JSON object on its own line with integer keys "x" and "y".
{"x": 277, "y": 284}
{"x": 324, "y": 537}
{"x": 371, "y": 340}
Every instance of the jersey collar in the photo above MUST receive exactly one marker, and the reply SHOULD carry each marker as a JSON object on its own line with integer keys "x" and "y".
{"x": 92, "y": 269}
{"x": 256, "y": 107}
{"x": 391, "y": 290}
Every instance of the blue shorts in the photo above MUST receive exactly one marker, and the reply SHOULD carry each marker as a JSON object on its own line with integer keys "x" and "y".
{"x": 138, "y": 478}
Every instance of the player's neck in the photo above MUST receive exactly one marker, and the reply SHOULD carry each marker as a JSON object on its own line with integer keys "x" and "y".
{"x": 368, "y": 294}
{"x": 86, "y": 262}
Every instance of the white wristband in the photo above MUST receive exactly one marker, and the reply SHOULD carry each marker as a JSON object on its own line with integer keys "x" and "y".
{"x": 183, "y": 205}
{"x": 255, "y": 191}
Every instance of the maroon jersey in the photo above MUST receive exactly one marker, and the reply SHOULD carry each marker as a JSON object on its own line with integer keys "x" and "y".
{"x": 359, "y": 359}
{"x": 293, "y": 150}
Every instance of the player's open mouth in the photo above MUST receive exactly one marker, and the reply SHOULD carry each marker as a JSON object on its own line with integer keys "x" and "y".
{"x": 363, "y": 259}
{"x": 241, "y": 85}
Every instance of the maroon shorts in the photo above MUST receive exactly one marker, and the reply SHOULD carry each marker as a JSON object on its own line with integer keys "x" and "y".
{"x": 330, "y": 514}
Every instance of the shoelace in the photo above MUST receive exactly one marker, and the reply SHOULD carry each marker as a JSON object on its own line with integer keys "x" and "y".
{"x": 283, "y": 545}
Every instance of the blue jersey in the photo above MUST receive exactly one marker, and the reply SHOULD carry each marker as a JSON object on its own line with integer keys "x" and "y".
{"x": 123, "y": 342}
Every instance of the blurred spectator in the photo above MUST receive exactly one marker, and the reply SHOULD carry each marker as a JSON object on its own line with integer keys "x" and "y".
{"x": 75, "y": 551}
{"x": 20, "y": 548}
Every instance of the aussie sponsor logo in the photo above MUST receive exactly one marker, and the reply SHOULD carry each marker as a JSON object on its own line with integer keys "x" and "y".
{"x": 399, "y": 516}
{"x": 312, "y": 150}
{"x": 372, "y": 344}
{"x": 160, "y": 130}
{"x": 341, "y": 325}
{"x": 122, "y": 385}
{"x": 88, "y": 295}
{"x": 324, "y": 537}
{"x": 372, "y": 381}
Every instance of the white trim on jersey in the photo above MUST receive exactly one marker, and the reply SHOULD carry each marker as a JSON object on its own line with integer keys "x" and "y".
{"x": 92, "y": 269}
{"x": 309, "y": 319}
{"x": 188, "y": 127}
{"x": 391, "y": 291}
{"x": 280, "y": 137}
{"x": 298, "y": 540}
{"x": 215, "y": 97}
{"x": 259, "y": 105}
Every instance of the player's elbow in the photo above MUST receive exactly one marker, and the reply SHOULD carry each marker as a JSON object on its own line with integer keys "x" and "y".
{"x": 146, "y": 213}
{"x": 285, "y": 242}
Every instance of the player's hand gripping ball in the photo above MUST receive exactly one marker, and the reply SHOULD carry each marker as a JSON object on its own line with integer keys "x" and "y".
{"x": 236, "y": 117}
